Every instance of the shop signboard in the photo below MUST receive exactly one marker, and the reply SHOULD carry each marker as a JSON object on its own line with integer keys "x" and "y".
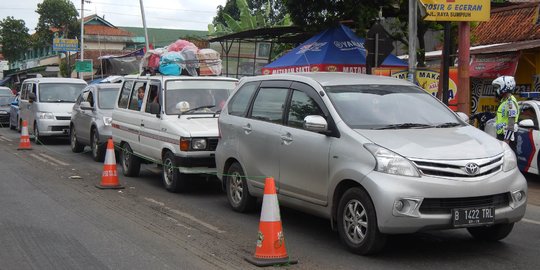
{"x": 456, "y": 10}
{"x": 65, "y": 45}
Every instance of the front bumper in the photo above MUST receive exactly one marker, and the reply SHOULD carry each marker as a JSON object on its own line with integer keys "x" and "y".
{"x": 53, "y": 127}
{"x": 429, "y": 200}
{"x": 196, "y": 165}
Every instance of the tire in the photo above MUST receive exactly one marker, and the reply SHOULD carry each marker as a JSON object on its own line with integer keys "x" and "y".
{"x": 237, "y": 190}
{"x": 173, "y": 180}
{"x": 131, "y": 164}
{"x": 98, "y": 148}
{"x": 19, "y": 126}
{"x": 37, "y": 138}
{"x": 357, "y": 223}
{"x": 76, "y": 146}
{"x": 12, "y": 127}
{"x": 491, "y": 233}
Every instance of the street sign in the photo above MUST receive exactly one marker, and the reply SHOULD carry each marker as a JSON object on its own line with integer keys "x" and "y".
{"x": 65, "y": 45}
{"x": 84, "y": 66}
{"x": 456, "y": 10}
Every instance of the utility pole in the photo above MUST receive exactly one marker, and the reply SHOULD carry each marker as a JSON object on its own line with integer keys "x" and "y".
{"x": 82, "y": 33}
{"x": 464, "y": 46}
{"x": 144, "y": 26}
{"x": 412, "y": 40}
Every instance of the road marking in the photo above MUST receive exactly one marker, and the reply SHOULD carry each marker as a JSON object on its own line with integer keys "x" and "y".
{"x": 4, "y": 139}
{"x": 53, "y": 159}
{"x": 186, "y": 215}
{"x": 42, "y": 159}
{"x": 531, "y": 221}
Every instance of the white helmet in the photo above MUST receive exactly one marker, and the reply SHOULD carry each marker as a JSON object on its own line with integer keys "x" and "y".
{"x": 504, "y": 84}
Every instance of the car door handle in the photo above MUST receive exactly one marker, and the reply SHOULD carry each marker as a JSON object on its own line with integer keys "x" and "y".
{"x": 287, "y": 138}
{"x": 247, "y": 128}
{"x": 142, "y": 124}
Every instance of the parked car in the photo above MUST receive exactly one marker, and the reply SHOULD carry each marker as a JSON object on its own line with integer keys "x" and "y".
{"x": 6, "y": 97}
{"x": 91, "y": 119}
{"x": 14, "y": 114}
{"x": 375, "y": 155}
{"x": 172, "y": 121}
{"x": 46, "y": 105}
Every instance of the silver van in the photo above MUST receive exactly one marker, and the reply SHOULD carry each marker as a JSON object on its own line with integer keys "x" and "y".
{"x": 46, "y": 105}
{"x": 375, "y": 155}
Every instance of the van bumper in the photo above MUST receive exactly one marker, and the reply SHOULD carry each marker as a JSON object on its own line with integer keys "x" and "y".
{"x": 51, "y": 127}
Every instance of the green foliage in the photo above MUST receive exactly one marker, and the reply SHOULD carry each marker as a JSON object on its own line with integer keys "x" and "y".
{"x": 56, "y": 16}
{"x": 14, "y": 38}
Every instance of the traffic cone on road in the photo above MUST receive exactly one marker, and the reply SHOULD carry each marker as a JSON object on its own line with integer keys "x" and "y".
{"x": 25, "y": 138}
{"x": 109, "y": 177}
{"x": 271, "y": 241}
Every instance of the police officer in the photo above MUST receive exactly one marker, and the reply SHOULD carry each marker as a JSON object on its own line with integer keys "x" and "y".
{"x": 508, "y": 110}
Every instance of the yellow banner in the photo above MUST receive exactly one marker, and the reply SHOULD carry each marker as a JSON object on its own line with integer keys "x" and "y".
{"x": 457, "y": 10}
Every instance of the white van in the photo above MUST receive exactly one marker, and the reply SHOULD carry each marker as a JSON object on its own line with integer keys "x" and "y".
{"x": 46, "y": 105}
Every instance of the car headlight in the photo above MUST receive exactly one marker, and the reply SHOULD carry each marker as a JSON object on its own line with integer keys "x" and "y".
{"x": 107, "y": 120}
{"x": 198, "y": 144}
{"x": 390, "y": 162}
{"x": 509, "y": 159}
{"x": 45, "y": 115}
{"x": 4, "y": 112}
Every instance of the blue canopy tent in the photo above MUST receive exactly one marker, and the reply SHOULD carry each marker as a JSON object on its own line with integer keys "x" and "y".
{"x": 336, "y": 49}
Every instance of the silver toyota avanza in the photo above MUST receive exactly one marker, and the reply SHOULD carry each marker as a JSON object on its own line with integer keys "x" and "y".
{"x": 375, "y": 155}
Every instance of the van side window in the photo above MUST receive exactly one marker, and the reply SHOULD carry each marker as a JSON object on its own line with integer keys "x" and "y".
{"x": 301, "y": 106}
{"x": 24, "y": 92}
{"x": 135, "y": 102}
{"x": 240, "y": 101}
{"x": 269, "y": 104}
{"x": 125, "y": 94}
{"x": 152, "y": 96}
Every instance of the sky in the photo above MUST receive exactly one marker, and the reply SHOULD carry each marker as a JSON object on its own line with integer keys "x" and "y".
{"x": 172, "y": 14}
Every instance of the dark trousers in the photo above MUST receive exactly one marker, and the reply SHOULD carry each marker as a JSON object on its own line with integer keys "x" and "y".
{"x": 512, "y": 144}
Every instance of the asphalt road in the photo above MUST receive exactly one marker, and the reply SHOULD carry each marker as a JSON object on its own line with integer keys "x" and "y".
{"x": 53, "y": 217}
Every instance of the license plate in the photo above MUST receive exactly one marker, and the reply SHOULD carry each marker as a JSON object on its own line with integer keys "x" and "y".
{"x": 65, "y": 131}
{"x": 473, "y": 216}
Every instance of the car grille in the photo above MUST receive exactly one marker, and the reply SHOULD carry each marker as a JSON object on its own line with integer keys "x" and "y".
{"x": 212, "y": 144}
{"x": 63, "y": 117}
{"x": 59, "y": 128}
{"x": 457, "y": 168}
{"x": 444, "y": 206}
{"x": 4, "y": 118}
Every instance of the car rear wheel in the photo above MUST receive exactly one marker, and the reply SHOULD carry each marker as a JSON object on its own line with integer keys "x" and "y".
{"x": 237, "y": 190}
{"x": 491, "y": 233}
{"x": 173, "y": 180}
{"x": 131, "y": 164}
{"x": 98, "y": 148}
{"x": 76, "y": 147}
{"x": 357, "y": 223}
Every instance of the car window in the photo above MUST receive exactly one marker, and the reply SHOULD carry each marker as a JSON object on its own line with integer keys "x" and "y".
{"x": 90, "y": 98}
{"x": 106, "y": 97}
{"x": 380, "y": 106}
{"x": 59, "y": 92}
{"x": 152, "y": 97}
{"x": 125, "y": 94}
{"x": 240, "y": 101}
{"x": 269, "y": 104}
{"x": 24, "y": 92}
{"x": 5, "y": 92}
{"x": 137, "y": 96}
{"x": 184, "y": 95}
{"x": 527, "y": 112}
{"x": 301, "y": 106}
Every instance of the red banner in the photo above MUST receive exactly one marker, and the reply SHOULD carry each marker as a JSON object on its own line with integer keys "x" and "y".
{"x": 490, "y": 66}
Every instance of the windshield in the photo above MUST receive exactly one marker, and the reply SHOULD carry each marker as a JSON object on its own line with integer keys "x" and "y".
{"x": 5, "y": 92}
{"x": 187, "y": 96}
{"x": 6, "y": 100}
{"x": 389, "y": 106}
{"x": 107, "y": 97}
{"x": 59, "y": 92}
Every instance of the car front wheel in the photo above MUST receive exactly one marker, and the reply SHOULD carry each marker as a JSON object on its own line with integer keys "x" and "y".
{"x": 357, "y": 223}
{"x": 76, "y": 147}
{"x": 98, "y": 148}
{"x": 237, "y": 190}
{"x": 173, "y": 180}
{"x": 491, "y": 233}
{"x": 131, "y": 164}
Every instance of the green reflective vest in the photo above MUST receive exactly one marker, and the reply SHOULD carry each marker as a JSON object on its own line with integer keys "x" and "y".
{"x": 508, "y": 108}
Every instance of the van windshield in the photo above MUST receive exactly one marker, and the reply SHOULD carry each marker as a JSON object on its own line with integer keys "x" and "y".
{"x": 196, "y": 97}
{"x": 107, "y": 97}
{"x": 59, "y": 92}
{"x": 389, "y": 107}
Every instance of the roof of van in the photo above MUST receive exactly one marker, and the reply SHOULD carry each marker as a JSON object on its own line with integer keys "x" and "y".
{"x": 333, "y": 78}
{"x": 164, "y": 77}
{"x": 55, "y": 80}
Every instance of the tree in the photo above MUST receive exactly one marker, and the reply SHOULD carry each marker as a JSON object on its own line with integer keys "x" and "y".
{"x": 14, "y": 38}
{"x": 274, "y": 9}
{"x": 58, "y": 16}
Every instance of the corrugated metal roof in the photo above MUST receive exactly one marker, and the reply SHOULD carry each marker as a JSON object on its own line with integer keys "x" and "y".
{"x": 509, "y": 24}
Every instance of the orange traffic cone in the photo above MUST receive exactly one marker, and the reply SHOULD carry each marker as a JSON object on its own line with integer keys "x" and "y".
{"x": 271, "y": 241}
{"x": 25, "y": 138}
{"x": 109, "y": 177}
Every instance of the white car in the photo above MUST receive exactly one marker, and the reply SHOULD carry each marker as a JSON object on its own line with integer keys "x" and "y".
{"x": 172, "y": 121}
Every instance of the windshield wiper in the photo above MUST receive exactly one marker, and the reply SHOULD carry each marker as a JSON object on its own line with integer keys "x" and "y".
{"x": 449, "y": 124}
{"x": 405, "y": 125}
{"x": 197, "y": 108}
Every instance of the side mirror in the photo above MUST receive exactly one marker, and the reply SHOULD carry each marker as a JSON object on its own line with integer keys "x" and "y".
{"x": 31, "y": 97}
{"x": 315, "y": 123}
{"x": 154, "y": 109}
{"x": 85, "y": 105}
{"x": 463, "y": 116}
{"x": 527, "y": 123}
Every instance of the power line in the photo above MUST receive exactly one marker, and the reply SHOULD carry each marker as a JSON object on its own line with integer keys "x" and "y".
{"x": 162, "y": 8}
{"x": 160, "y": 18}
